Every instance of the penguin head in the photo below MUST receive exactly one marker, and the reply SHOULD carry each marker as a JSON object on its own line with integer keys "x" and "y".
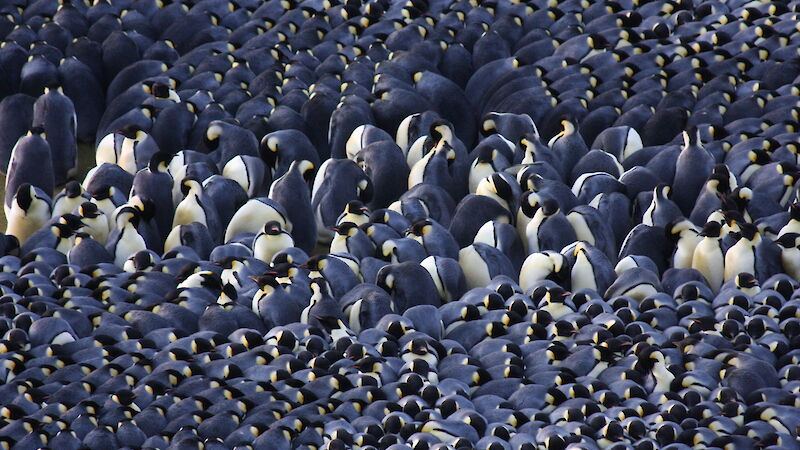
{"x": 347, "y": 229}
{"x": 72, "y": 221}
{"x": 441, "y": 130}
{"x": 273, "y": 228}
{"x": 530, "y": 202}
{"x": 662, "y": 190}
{"x": 789, "y": 240}
{"x": 711, "y": 229}
{"x": 128, "y": 214}
{"x": 319, "y": 286}
{"x": 746, "y": 280}
{"x": 159, "y": 162}
{"x": 73, "y": 189}
{"x": 25, "y": 195}
{"x": 190, "y": 184}
{"x": 748, "y": 231}
{"x": 420, "y": 228}
{"x": 37, "y": 131}
{"x": 549, "y": 207}
{"x": 691, "y": 137}
{"x": 228, "y": 294}
{"x": 89, "y": 210}
{"x": 597, "y": 41}
{"x": 486, "y": 155}
{"x": 568, "y": 122}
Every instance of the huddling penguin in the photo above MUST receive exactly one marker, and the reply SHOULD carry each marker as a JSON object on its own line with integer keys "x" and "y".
{"x": 420, "y": 224}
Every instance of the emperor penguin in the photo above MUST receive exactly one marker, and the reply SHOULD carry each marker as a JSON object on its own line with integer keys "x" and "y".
{"x": 686, "y": 238}
{"x": 549, "y": 229}
{"x": 110, "y": 147}
{"x": 291, "y": 191}
{"x": 790, "y": 253}
{"x": 435, "y": 238}
{"x": 336, "y": 183}
{"x": 30, "y": 210}
{"x": 251, "y": 215}
{"x": 591, "y": 269}
{"x": 708, "y": 257}
{"x": 350, "y": 238}
{"x": 692, "y": 169}
{"x": 250, "y": 172}
{"x": 503, "y": 188}
{"x": 154, "y": 184}
{"x": 447, "y": 276}
{"x": 196, "y": 207}
{"x": 568, "y": 145}
{"x": 30, "y": 163}
{"x": 95, "y": 223}
{"x": 273, "y": 304}
{"x": 55, "y": 114}
{"x": 486, "y": 163}
{"x": 125, "y": 241}
{"x": 271, "y": 240}
{"x": 547, "y": 265}
{"x": 662, "y": 209}
{"x": 69, "y": 199}
{"x": 741, "y": 257}
{"x": 721, "y": 182}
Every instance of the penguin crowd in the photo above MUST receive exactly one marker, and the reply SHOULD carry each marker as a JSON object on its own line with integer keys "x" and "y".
{"x": 400, "y": 225}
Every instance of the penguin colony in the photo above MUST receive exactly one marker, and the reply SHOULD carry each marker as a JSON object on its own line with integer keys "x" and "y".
{"x": 400, "y": 225}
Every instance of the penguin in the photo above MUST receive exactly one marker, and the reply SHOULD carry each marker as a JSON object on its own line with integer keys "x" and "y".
{"x": 95, "y": 222}
{"x": 124, "y": 240}
{"x": 30, "y": 163}
{"x": 196, "y": 207}
{"x": 154, "y": 184}
{"x": 249, "y": 172}
{"x": 54, "y": 113}
{"x": 87, "y": 251}
{"x": 321, "y": 307}
{"x": 383, "y": 163}
{"x": 224, "y": 141}
{"x": 56, "y": 235}
{"x": 692, "y": 169}
{"x": 280, "y": 149}
{"x": 482, "y": 262}
{"x": 720, "y": 183}
{"x": 69, "y": 199}
{"x": 620, "y": 141}
{"x": 349, "y": 238}
{"x": 547, "y": 265}
{"x": 503, "y": 237}
{"x": 436, "y": 240}
{"x": 29, "y": 211}
{"x": 708, "y": 257}
{"x": 741, "y": 257}
{"x": 290, "y": 190}
{"x": 409, "y": 285}
{"x": 790, "y": 251}
{"x": 16, "y": 115}
{"x": 590, "y": 269}
{"x": 336, "y": 183}
{"x": 271, "y": 240}
{"x": 549, "y": 229}
{"x": 487, "y": 162}
{"x": 568, "y": 145}
{"x": 662, "y": 209}
{"x": 447, "y": 276}
{"x": 273, "y": 304}
{"x": 253, "y": 213}
{"x": 686, "y": 238}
